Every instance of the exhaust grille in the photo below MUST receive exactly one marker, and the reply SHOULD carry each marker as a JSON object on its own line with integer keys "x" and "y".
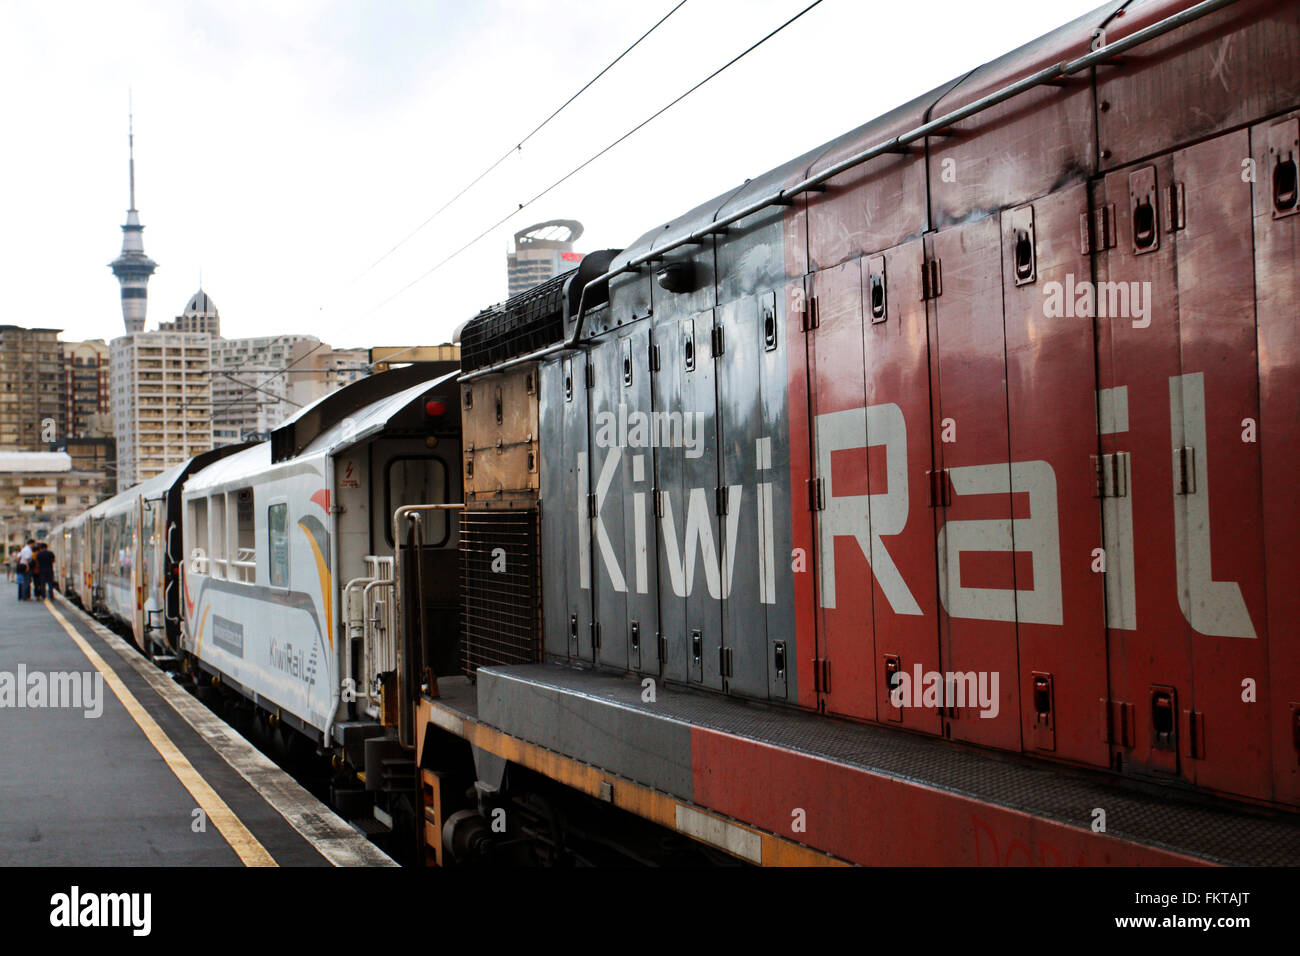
{"x": 500, "y": 587}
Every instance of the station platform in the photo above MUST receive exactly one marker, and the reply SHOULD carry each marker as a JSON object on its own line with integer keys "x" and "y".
{"x": 106, "y": 761}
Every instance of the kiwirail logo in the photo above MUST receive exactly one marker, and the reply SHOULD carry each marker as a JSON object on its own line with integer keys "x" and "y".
{"x": 108, "y": 910}
{"x": 72, "y": 690}
{"x": 1100, "y": 300}
{"x": 638, "y": 429}
{"x": 960, "y": 689}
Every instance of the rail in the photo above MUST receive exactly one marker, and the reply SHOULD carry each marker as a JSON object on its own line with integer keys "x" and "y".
{"x": 784, "y": 197}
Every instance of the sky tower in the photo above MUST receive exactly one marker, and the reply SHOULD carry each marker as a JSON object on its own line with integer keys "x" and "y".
{"x": 133, "y": 268}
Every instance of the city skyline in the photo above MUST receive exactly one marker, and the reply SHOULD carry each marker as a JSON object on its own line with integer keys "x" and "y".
{"x": 281, "y": 153}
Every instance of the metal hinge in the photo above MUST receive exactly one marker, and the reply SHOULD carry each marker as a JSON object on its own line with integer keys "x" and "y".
{"x": 822, "y": 675}
{"x": 720, "y": 499}
{"x": 1097, "y": 229}
{"x": 1175, "y": 207}
{"x": 592, "y": 510}
{"x": 938, "y": 490}
{"x": 654, "y": 357}
{"x": 1117, "y": 722}
{"x": 716, "y": 341}
{"x": 1185, "y": 470}
{"x": 811, "y": 319}
{"x": 816, "y": 494}
{"x": 595, "y": 635}
{"x": 658, "y": 497}
{"x": 724, "y": 661}
{"x": 591, "y": 376}
{"x": 1195, "y": 739}
{"x": 1111, "y": 473}
{"x": 931, "y": 278}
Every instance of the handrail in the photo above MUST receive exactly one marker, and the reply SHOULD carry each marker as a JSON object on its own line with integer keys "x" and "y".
{"x": 404, "y": 702}
{"x": 895, "y": 144}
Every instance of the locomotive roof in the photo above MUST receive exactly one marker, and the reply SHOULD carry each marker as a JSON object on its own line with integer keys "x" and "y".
{"x": 1069, "y": 41}
{"x": 305, "y": 427}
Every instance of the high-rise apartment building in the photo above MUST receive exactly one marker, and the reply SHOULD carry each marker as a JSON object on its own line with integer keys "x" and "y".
{"x": 86, "y": 389}
{"x": 317, "y": 371}
{"x": 252, "y": 382}
{"x": 542, "y": 251}
{"x": 31, "y": 388}
{"x": 161, "y": 400}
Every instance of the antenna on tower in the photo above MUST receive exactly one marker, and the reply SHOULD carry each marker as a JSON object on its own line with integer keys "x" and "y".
{"x": 130, "y": 140}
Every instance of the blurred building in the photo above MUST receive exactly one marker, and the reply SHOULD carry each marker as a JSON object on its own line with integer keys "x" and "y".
{"x": 32, "y": 412}
{"x": 319, "y": 369}
{"x": 161, "y": 401}
{"x": 542, "y": 251}
{"x": 94, "y": 456}
{"x": 87, "y": 410}
{"x": 251, "y": 384}
{"x": 200, "y": 315}
{"x": 39, "y": 490}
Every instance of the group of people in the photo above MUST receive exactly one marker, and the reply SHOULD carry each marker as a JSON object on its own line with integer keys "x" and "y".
{"x": 34, "y": 568}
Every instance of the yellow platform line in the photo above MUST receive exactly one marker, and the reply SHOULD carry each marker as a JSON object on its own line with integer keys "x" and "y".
{"x": 250, "y": 850}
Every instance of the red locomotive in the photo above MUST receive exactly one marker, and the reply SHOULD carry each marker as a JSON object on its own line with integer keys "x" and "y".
{"x": 931, "y": 499}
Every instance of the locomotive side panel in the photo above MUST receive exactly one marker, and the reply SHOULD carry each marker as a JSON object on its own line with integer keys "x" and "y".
{"x": 900, "y": 460}
{"x": 1051, "y": 395}
{"x": 845, "y": 666}
{"x": 566, "y": 555}
{"x": 1218, "y": 521}
{"x": 1275, "y": 149}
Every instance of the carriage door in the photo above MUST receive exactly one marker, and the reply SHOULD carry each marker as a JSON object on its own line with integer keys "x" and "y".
{"x": 838, "y": 492}
{"x": 974, "y": 486}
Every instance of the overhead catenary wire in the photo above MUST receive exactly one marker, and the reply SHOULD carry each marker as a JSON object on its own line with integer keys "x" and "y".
{"x": 520, "y": 145}
{"x": 587, "y": 162}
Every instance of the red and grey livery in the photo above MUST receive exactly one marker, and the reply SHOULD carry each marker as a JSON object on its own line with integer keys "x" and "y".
{"x": 993, "y": 395}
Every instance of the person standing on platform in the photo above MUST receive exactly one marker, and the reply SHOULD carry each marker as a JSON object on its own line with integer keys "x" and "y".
{"x": 45, "y": 572}
{"x": 24, "y": 571}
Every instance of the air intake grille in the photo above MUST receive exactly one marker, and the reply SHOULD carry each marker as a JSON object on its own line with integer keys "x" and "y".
{"x": 500, "y": 587}
{"x": 525, "y": 323}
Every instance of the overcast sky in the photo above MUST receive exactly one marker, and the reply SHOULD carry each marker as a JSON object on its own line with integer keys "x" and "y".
{"x": 283, "y": 147}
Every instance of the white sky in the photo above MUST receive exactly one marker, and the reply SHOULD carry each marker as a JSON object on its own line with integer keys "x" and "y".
{"x": 282, "y": 147}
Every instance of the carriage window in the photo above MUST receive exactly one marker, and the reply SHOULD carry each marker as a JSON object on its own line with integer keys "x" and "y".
{"x": 243, "y": 565}
{"x": 199, "y": 526}
{"x": 217, "y": 564}
{"x": 277, "y": 523}
{"x": 418, "y": 481}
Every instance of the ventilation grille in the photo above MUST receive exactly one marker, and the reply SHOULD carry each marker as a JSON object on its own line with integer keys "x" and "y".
{"x": 500, "y": 588}
{"x": 525, "y": 323}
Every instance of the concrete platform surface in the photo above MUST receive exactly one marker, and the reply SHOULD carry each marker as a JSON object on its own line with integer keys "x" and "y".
{"x": 106, "y": 761}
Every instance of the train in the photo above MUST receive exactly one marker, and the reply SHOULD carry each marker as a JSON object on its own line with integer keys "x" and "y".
{"x": 929, "y": 499}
